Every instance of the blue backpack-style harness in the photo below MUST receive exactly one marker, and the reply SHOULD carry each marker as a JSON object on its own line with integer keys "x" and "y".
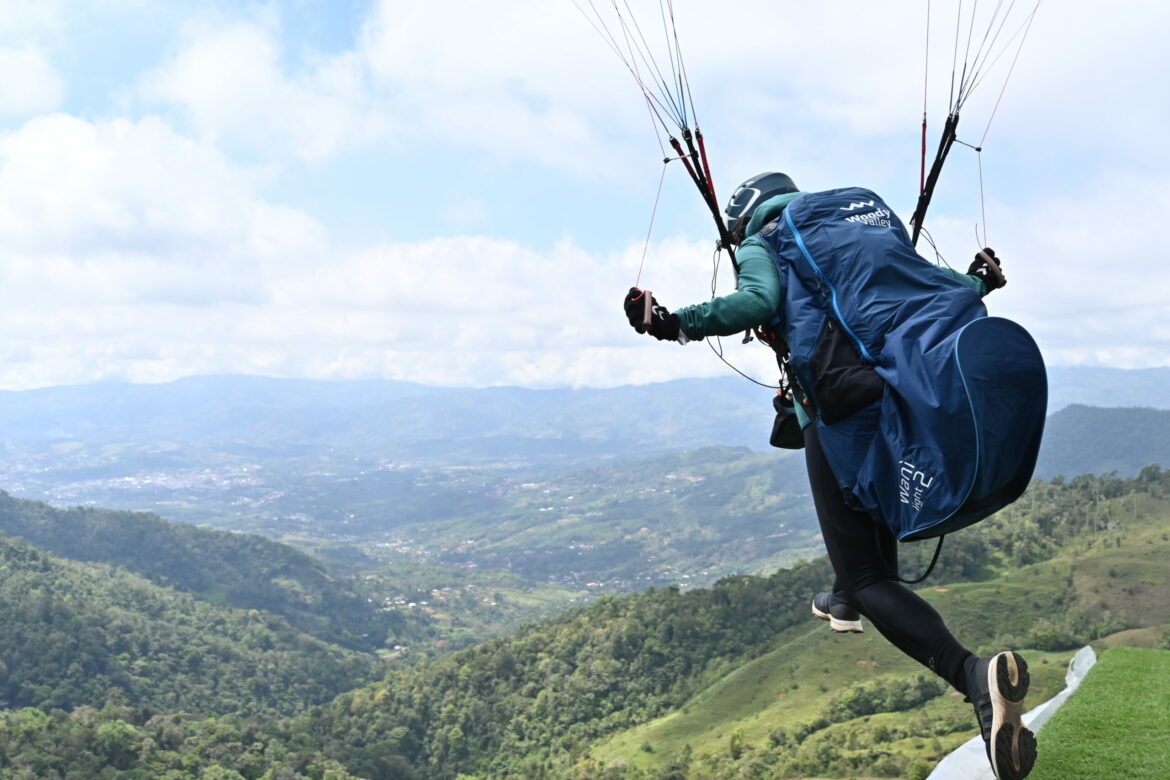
{"x": 929, "y": 412}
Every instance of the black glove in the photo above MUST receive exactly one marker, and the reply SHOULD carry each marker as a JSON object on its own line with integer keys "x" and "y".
{"x": 987, "y": 267}
{"x": 663, "y": 325}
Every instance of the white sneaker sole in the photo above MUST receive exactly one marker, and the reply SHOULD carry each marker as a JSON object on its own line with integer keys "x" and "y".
{"x": 1011, "y": 747}
{"x": 838, "y": 625}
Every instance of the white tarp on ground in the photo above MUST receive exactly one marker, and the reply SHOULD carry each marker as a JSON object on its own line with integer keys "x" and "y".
{"x": 969, "y": 761}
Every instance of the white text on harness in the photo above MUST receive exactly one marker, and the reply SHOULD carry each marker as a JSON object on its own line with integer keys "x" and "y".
{"x": 912, "y": 484}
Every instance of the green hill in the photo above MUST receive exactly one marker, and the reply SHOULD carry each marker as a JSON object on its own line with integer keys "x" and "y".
{"x": 239, "y": 570}
{"x": 1093, "y": 440}
{"x": 88, "y": 635}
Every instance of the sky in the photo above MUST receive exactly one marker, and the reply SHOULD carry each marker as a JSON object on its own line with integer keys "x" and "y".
{"x": 459, "y": 193}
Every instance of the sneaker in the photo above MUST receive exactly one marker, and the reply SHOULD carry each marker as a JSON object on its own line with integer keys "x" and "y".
{"x": 996, "y": 686}
{"x": 833, "y": 608}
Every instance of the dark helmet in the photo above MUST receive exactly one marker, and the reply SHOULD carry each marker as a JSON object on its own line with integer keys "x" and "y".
{"x": 752, "y": 193}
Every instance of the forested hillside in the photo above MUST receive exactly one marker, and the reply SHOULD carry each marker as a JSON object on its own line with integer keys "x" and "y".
{"x": 700, "y": 684}
{"x": 87, "y": 635}
{"x": 240, "y": 570}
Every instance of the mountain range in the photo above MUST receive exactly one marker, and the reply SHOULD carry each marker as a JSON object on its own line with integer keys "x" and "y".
{"x": 183, "y": 421}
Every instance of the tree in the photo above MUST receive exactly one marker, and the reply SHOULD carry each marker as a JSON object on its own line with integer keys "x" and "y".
{"x": 119, "y": 742}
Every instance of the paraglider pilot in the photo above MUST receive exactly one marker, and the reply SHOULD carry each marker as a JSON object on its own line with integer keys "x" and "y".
{"x": 772, "y": 298}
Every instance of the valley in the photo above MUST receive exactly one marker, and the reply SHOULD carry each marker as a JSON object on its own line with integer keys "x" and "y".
{"x": 246, "y": 606}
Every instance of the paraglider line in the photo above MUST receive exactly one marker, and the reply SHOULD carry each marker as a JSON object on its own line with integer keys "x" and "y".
{"x": 1011, "y": 69}
{"x": 925, "y": 92}
{"x": 650, "y": 229}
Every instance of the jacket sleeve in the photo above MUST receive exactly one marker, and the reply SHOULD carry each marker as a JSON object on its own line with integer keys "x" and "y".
{"x": 756, "y": 299}
{"x": 972, "y": 281}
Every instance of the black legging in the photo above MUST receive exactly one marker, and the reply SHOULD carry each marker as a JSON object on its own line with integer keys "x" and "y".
{"x": 864, "y": 558}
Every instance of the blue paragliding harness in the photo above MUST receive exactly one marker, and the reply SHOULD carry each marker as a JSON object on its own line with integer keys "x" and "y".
{"x": 930, "y": 412}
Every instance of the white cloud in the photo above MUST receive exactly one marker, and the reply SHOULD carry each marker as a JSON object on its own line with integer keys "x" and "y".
{"x": 23, "y": 17}
{"x": 136, "y": 188}
{"x": 231, "y": 82}
{"x": 817, "y": 88}
{"x": 131, "y": 249}
{"x": 535, "y": 80}
{"x": 1085, "y": 274}
{"x": 30, "y": 85}
{"x": 128, "y": 251}
{"x": 1095, "y": 282}
{"x": 526, "y": 80}
{"x": 119, "y": 238}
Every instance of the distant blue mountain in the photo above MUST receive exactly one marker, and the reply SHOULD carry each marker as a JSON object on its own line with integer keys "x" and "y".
{"x": 1109, "y": 387}
{"x": 1094, "y": 440}
{"x": 406, "y": 421}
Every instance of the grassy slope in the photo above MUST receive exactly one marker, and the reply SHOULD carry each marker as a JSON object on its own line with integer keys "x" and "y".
{"x": 1117, "y": 723}
{"x": 1116, "y": 577}
{"x": 760, "y": 697}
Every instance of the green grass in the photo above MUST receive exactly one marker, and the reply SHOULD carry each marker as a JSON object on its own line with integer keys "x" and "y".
{"x": 792, "y": 684}
{"x": 1116, "y": 725}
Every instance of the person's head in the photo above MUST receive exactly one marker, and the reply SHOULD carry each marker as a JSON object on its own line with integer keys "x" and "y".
{"x": 751, "y": 194}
